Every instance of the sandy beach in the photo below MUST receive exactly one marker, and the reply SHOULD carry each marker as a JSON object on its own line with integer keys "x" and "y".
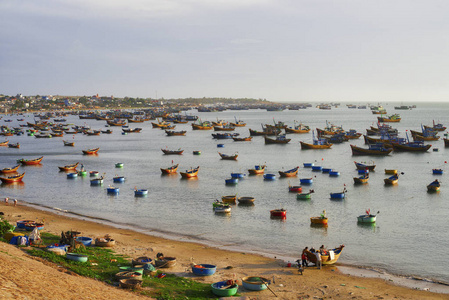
{"x": 23, "y": 277}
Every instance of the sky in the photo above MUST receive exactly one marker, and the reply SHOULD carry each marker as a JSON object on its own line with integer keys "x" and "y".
{"x": 278, "y": 50}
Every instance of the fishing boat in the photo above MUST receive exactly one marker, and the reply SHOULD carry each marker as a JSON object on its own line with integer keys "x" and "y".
{"x": 392, "y": 180}
{"x": 334, "y": 173}
{"x": 13, "y": 178}
{"x": 238, "y": 123}
{"x": 391, "y": 171}
{"x": 112, "y": 190}
{"x": 140, "y": 192}
{"x": 90, "y": 151}
{"x": 329, "y": 257}
{"x": 223, "y": 208}
{"x": 260, "y": 169}
{"x": 70, "y": 144}
{"x": 294, "y": 188}
{"x": 175, "y": 133}
{"x": 190, "y": 173}
{"x": 280, "y": 139}
{"x": 171, "y": 152}
{"x": 269, "y": 176}
{"x": 319, "y": 221}
{"x": 391, "y": 118}
{"x": 317, "y": 168}
{"x": 229, "y": 199}
{"x": 69, "y": 167}
{"x": 9, "y": 170}
{"x": 416, "y": 146}
{"x": 308, "y": 165}
{"x": 306, "y": 180}
{"x": 107, "y": 131}
{"x": 373, "y": 149}
{"x": 15, "y": 145}
{"x": 226, "y": 288}
{"x": 367, "y": 217}
{"x": 319, "y": 143}
{"x": 300, "y": 128}
{"x": 231, "y": 181}
{"x": 289, "y": 173}
{"x": 238, "y": 175}
{"x": 437, "y": 171}
{"x": 118, "y": 179}
{"x": 72, "y": 175}
{"x": 304, "y": 196}
{"x": 93, "y": 173}
{"x": 326, "y": 170}
{"x": 225, "y": 127}
{"x": 132, "y": 130}
{"x": 352, "y": 134}
{"x": 361, "y": 166}
{"x": 97, "y": 181}
{"x": 340, "y": 195}
{"x": 243, "y": 139}
{"x": 246, "y": 200}
{"x": 225, "y": 135}
{"x": 436, "y": 127}
{"x": 171, "y": 170}
{"x": 228, "y": 157}
{"x": 29, "y": 162}
{"x": 202, "y": 126}
{"x": 278, "y": 213}
{"x": 4, "y": 144}
{"x": 196, "y": 152}
{"x": 204, "y": 269}
{"x": 255, "y": 283}
{"x": 434, "y": 186}
{"x": 361, "y": 179}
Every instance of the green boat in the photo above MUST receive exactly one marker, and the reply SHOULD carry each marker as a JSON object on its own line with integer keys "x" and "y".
{"x": 304, "y": 196}
{"x": 367, "y": 218}
{"x": 224, "y": 288}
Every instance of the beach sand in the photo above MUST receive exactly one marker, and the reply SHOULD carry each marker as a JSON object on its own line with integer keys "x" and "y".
{"x": 23, "y": 277}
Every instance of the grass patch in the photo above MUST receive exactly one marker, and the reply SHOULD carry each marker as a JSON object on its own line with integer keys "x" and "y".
{"x": 104, "y": 263}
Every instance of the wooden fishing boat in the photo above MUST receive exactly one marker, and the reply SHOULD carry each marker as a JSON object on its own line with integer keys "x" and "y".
{"x": 5, "y": 143}
{"x": 202, "y": 126}
{"x": 70, "y": 144}
{"x": 290, "y": 173}
{"x": 329, "y": 257}
{"x": 362, "y": 179}
{"x": 69, "y": 167}
{"x": 228, "y": 157}
{"x": 434, "y": 186}
{"x": 280, "y": 139}
{"x": 246, "y": 200}
{"x": 16, "y": 145}
{"x": 269, "y": 176}
{"x": 244, "y": 139}
{"x": 132, "y": 130}
{"x": 437, "y": 171}
{"x": 170, "y": 152}
{"x": 190, "y": 173}
{"x": 391, "y": 118}
{"x": 97, "y": 181}
{"x": 30, "y": 162}
{"x": 416, "y": 146}
{"x": 374, "y": 149}
{"x": 340, "y": 195}
{"x": 300, "y": 128}
{"x": 118, "y": 179}
{"x": 226, "y": 135}
{"x": 334, "y": 173}
{"x": 436, "y": 127}
{"x": 90, "y": 151}
{"x": 238, "y": 123}
{"x": 306, "y": 180}
{"x": 316, "y": 145}
{"x": 308, "y": 165}
{"x": 265, "y": 131}
{"x": 116, "y": 122}
{"x": 392, "y": 180}
{"x": 140, "y": 192}
{"x": 229, "y": 199}
{"x": 223, "y": 208}
{"x": 260, "y": 169}
{"x": 367, "y": 217}
{"x": 112, "y": 190}
{"x": 278, "y": 213}
{"x": 294, "y": 188}
{"x": 107, "y": 131}
{"x": 391, "y": 171}
{"x": 175, "y": 133}
{"x": 171, "y": 170}
{"x": 106, "y": 241}
{"x": 352, "y": 134}
{"x": 361, "y": 166}
{"x": 304, "y": 196}
{"x": 224, "y": 128}
{"x": 319, "y": 221}
{"x": 13, "y": 178}
{"x": 238, "y": 175}
{"x": 10, "y": 170}
{"x": 317, "y": 168}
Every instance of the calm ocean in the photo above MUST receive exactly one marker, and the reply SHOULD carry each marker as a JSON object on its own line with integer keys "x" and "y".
{"x": 411, "y": 222}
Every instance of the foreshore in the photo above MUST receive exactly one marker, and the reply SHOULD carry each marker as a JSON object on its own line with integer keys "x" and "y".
{"x": 331, "y": 282}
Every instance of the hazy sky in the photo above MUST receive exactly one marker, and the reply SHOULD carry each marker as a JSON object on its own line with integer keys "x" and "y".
{"x": 279, "y": 50}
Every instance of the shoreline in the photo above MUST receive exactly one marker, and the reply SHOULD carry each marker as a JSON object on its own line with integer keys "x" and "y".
{"x": 356, "y": 273}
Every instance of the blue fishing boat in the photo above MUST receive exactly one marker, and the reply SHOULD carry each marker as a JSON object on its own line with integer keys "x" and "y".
{"x": 255, "y": 283}
{"x": 334, "y": 173}
{"x": 97, "y": 181}
{"x": 119, "y": 179}
{"x": 220, "y": 145}
{"x": 308, "y": 165}
{"x": 232, "y": 181}
{"x": 87, "y": 241}
{"x": 306, "y": 180}
{"x": 326, "y": 170}
{"x": 140, "y": 192}
{"x": 437, "y": 171}
{"x": 112, "y": 190}
{"x": 434, "y": 186}
{"x": 317, "y": 168}
{"x": 269, "y": 176}
{"x": 340, "y": 195}
{"x": 204, "y": 269}
{"x": 72, "y": 175}
{"x": 363, "y": 171}
{"x": 238, "y": 175}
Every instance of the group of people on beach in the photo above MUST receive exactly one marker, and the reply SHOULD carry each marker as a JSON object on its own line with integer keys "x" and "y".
{"x": 7, "y": 201}
{"x": 305, "y": 260}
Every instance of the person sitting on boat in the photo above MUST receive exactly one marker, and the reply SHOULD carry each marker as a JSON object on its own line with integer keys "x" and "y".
{"x": 82, "y": 168}
{"x": 323, "y": 215}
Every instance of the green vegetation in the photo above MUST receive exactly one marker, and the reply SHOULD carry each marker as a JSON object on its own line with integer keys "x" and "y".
{"x": 4, "y": 228}
{"x": 104, "y": 263}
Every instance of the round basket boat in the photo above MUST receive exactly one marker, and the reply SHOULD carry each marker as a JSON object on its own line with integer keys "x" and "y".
{"x": 72, "y": 175}
{"x": 246, "y": 200}
{"x": 103, "y": 242}
{"x": 21, "y": 223}
{"x": 130, "y": 283}
{"x": 77, "y": 257}
{"x": 119, "y": 165}
{"x": 204, "y": 269}
{"x": 56, "y": 250}
{"x": 255, "y": 283}
{"x": 224, "y": 289}
{"x": 166, "y": 262}
{"x": 93, "y": 173}
{"x": 128, "y": 275}
{"x": 87, "y": 241}
{"x": 142, "y": 260}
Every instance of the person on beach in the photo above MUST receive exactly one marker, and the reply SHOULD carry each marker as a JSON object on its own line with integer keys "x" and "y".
{"x": 15, "y": 202}
{"x": 304, "y": 257}
{"x": 318, "y": 260}
{"x": 6, "y": 200}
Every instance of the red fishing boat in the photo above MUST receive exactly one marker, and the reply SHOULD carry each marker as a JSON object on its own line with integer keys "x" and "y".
{"x": 27, "y": 162}
{"x": 295, "y": 188}
{"x": 12, "y": 179}
{"x": 278, "y": 213}
{"x": 91, "y": 151}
